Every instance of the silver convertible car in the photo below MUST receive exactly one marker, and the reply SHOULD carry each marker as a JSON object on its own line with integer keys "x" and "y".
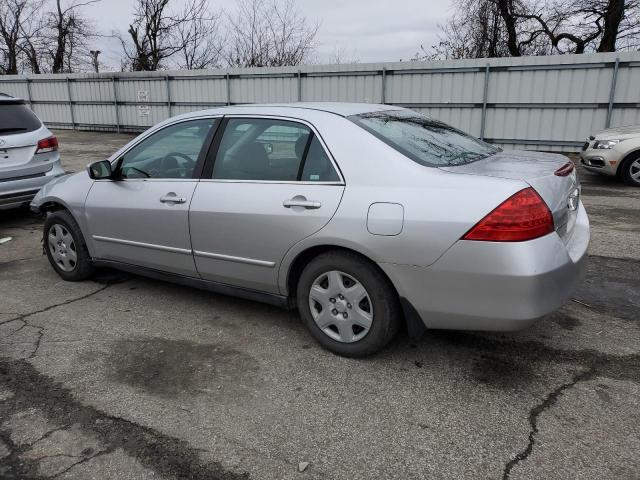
{"x": 364, "y": 217}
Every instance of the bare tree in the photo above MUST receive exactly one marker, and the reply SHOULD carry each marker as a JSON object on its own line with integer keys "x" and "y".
{"x": 199, "y": 37}
{"x": 14, "y": 15}
{"x": 68, "y": 32}
{"x": 33, "y": 38}
{"x": 159, "y": 33}
{"x": 269, "y": 34}
{"x": 494, "y": 28}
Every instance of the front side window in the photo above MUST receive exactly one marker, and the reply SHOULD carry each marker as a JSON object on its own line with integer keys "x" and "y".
{"x": 169, "y": 153}
{"x": 271, "y": 150}
{"x": 424, "y": 140}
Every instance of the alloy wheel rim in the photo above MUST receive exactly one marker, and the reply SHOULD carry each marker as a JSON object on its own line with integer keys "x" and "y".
{"x": 634, "y": 170}
{"x": 62, "y": 247}
{"x": 341, "y": 306}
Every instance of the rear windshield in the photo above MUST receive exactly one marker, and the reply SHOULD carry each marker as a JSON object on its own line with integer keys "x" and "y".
{"x": 16, "y": 117}
{"x": 424, "y": 140}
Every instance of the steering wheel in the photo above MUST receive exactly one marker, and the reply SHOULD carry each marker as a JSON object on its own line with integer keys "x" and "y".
{"x": 163, "y": 167}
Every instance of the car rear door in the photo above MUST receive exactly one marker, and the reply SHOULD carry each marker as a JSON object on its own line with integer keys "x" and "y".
{"x": 269, "y": 183}
{"x": 142, "y": 216}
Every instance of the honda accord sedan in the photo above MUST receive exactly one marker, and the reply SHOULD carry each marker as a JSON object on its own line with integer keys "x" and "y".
{"x": 364, "y": 217}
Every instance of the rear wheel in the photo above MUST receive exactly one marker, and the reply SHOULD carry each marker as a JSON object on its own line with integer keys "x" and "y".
{"x": 348, "y": 305}
{"x": 65, "y": 247}
{"x": 630, "y": 170}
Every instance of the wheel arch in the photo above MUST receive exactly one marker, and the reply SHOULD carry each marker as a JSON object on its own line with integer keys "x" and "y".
{"x": 53, "y": 206}
{"x": 414, "y": 324}
{"x": 629, "y": 157}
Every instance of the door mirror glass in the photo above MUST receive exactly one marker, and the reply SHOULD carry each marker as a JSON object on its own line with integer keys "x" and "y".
{"x": 100, "y": 170}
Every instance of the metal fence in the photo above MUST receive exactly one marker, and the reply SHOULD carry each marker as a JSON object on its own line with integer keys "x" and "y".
{"x": 545, "y": 103}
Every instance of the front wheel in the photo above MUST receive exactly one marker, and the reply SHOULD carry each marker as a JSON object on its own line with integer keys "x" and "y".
{"x": 630, "y": 169}
{"x": 65, "y": 247}
{"x": 347, "y": 304}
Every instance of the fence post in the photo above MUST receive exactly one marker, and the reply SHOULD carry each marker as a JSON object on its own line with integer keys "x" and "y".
{"x": 483, "y": 119}
{"x": 167, "y": 81}
{"x": 383, "y": 95}
{"x": 299, "y": 86}
{"x": 612, "y": 92}
{"x": 115, "y": 103}
{"x": 228, "y": 88}
{"x": 73, "y": 121}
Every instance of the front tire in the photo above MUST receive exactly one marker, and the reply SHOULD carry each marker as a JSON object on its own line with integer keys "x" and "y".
{"x": 630, "y": 170}
{"x": 65, "y": 247}
{"x": 347, "y": 304}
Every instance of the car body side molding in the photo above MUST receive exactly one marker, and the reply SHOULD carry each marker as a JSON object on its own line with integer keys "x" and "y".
{"x": 215, "y": 287}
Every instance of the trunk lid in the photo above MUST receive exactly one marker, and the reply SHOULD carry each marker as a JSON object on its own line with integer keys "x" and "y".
{"x": 17, "y": 155}
{"x": 538, "y": 170}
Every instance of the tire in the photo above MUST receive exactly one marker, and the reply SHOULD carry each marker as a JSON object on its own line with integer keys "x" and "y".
{"x": 336, "y": 322}
{"x": 630, "y": 167}
{"x": 65, "y": 247}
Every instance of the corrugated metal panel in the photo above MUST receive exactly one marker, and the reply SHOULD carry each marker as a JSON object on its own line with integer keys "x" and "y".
{"x": 547, "y": 103}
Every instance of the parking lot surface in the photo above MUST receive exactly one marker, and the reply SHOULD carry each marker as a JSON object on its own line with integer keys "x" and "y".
{"x": 129, "y": 378}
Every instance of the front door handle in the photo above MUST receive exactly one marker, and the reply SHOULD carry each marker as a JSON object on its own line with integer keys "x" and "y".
{"x": 302, "y": 202}
{"x": 173, "y": 199}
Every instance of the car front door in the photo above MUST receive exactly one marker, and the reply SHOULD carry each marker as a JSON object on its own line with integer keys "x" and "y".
{"x": 141, "y": 217}
{"x": 269, "y": 184}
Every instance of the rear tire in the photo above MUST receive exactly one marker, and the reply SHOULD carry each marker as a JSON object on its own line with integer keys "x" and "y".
{"x": 65, "y": 247}
{"x": 356, "y": 311}
{"x": 631, "y": 167}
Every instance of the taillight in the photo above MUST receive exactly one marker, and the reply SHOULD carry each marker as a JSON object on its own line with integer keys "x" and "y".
{"x": 523, "y": 216}
{"x": 49, "y": 144}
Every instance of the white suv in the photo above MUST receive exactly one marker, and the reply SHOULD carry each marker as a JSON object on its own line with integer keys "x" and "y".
{"x": 29, "y": 155}
{"x": 615, "y": 151}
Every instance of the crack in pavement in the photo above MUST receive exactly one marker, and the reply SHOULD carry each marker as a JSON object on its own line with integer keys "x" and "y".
{"x": 83, "y": 460}
{"x": 40, "y": 329}
{"x": 549, "y": 401}
{"x": 18, "y": 260}
{"x": 590, "y": 362}
{"x": 168, "y": 456}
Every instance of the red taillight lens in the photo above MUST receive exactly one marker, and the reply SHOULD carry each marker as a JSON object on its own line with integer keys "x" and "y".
{"x": 523, "y": 216}
{"x": 49, "y": 144}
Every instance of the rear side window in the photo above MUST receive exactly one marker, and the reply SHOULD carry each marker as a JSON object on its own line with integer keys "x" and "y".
{"x": 271, "y": 150}
{"x": 424, "y": 140}
{"x": 318, "y": 167}
{"x": 17, "y": 118}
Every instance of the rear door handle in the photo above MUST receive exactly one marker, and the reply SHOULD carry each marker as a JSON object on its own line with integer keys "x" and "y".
{"x": 308, "y": 204}
{"x": 173, "y": 199}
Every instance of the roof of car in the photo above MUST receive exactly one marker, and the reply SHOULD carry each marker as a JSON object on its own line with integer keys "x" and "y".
{"x": 293, "y": 109}
{"x": 6, "y": 98}
{"x": 339, "y": 108}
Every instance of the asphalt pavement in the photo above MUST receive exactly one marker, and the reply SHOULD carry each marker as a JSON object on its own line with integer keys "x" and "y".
{"x": 123, "y": 377}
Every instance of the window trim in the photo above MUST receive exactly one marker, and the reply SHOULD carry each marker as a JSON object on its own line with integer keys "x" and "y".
{"x": 117, "y": 158}
{"x": 207, "y": 172}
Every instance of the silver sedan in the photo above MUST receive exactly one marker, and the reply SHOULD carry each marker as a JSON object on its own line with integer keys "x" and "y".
{"x": 364, "y": 217}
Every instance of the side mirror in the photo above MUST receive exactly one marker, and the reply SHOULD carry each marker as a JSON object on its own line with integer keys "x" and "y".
{"x": 100, "y": 170}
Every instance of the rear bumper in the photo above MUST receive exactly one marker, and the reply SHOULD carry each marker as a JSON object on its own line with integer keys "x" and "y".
{"x": 17, "y": 192}
{"x": 495, "y": 286}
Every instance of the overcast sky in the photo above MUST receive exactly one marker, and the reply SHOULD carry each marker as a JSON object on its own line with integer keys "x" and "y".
{"x": 366, "y": 30}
